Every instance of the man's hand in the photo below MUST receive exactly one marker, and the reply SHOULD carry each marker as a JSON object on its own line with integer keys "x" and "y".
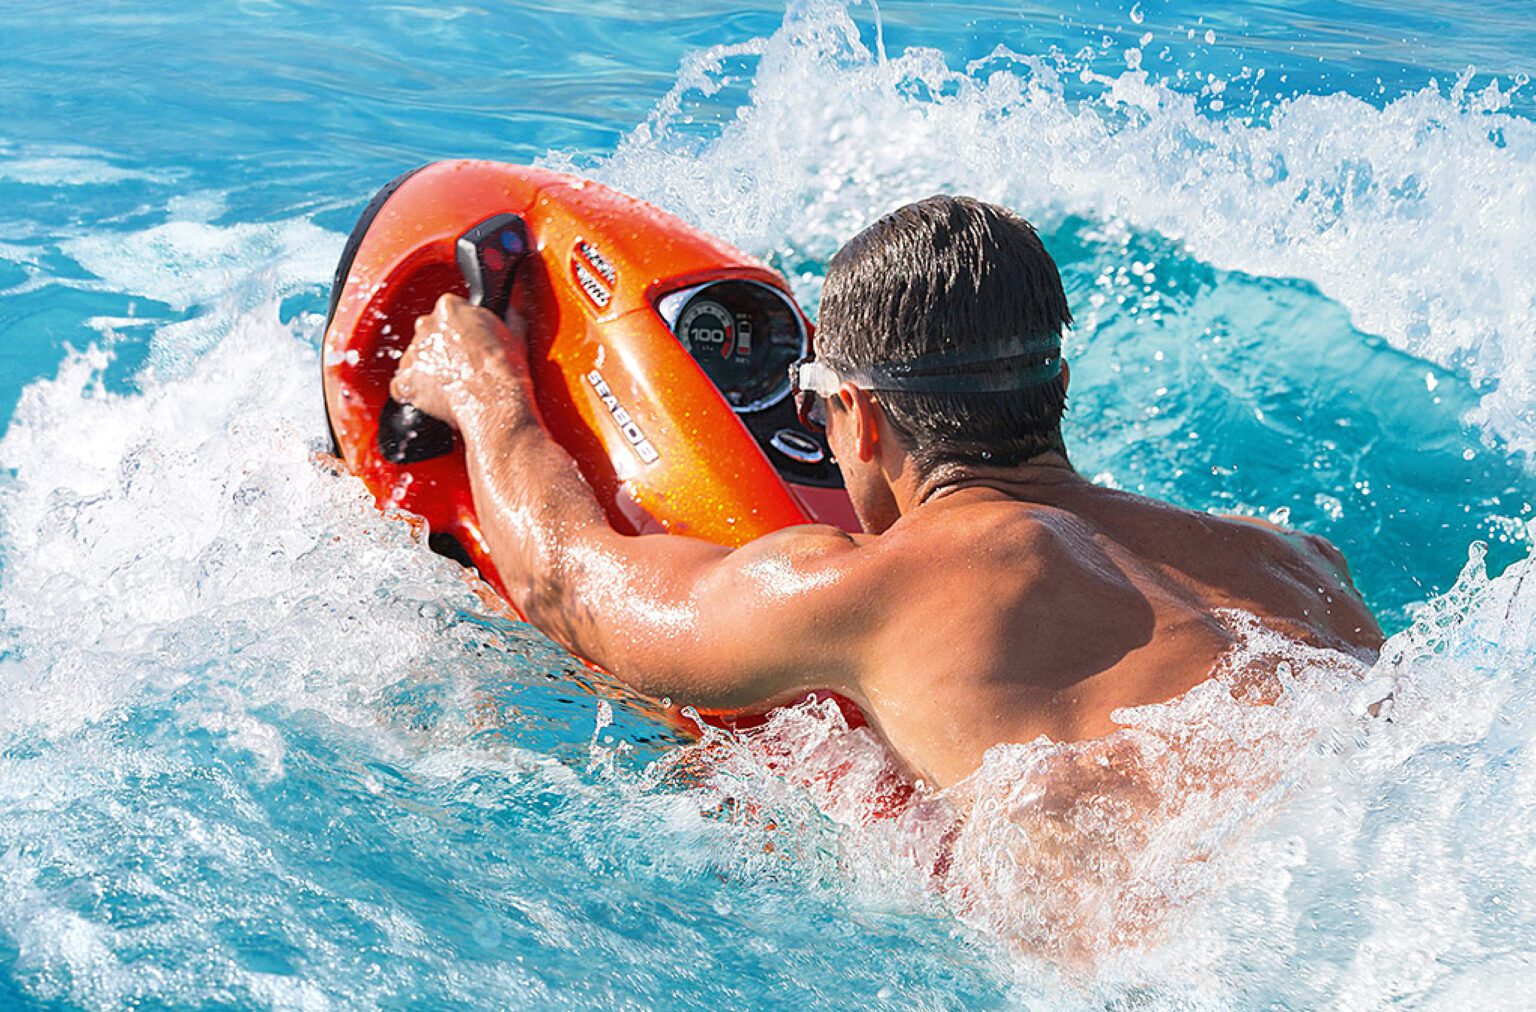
{"x": 462, "y": 355}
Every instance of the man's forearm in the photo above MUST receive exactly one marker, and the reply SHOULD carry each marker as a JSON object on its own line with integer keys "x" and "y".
{"x": 629, "y": 604}
{"x": 537, "y": 513}
{"x": 637, "y": 606}
{"x": 562, "y": 565}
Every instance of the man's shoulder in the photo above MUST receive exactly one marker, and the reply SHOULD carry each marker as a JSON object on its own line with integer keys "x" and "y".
{"x": 1027, "y": 541}
{"x": 1313, "y": 546}
{"x": 803, "y": 541}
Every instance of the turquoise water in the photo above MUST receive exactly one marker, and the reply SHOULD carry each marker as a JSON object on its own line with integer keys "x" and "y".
{"x": 261, "y": 749}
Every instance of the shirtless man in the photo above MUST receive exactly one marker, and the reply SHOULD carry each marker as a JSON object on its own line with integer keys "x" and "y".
{"x": 997, "y": 595}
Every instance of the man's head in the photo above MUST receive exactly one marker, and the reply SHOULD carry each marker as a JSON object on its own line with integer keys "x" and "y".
{"x": 965, "y": 293}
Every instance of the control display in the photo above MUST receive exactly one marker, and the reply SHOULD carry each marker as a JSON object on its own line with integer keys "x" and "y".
{"x": 744, "y": 335}
{"x": 708, "y": 327}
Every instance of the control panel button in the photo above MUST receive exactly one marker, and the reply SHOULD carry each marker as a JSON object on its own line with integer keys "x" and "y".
{"x": 797, "y": 446}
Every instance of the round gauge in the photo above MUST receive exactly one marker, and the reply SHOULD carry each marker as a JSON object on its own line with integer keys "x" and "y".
{"x": 743, "y": 334}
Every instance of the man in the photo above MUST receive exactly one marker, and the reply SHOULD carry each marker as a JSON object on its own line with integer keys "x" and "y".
{"x": 997, "y": 595}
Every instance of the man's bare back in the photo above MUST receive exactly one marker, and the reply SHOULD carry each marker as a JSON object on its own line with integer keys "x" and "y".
{"x": 997, "y": 595}
{"x": 1006, "y": 612}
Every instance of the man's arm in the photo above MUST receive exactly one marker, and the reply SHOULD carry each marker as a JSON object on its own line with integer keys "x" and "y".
{"x": 1348, "y": 611}
{"x": 669, "y": 615}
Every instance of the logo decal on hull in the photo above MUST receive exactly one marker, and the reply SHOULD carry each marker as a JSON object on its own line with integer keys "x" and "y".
{"x": 598, "y": 261}
{"x": 633, "y": 434}
{"x": 594, "y": 275}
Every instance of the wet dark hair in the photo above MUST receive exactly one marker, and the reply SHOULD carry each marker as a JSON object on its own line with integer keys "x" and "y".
{"x": 949, "y": 274}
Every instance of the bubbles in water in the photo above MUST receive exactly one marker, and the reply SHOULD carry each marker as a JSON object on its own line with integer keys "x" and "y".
{"x": 237, "y": 695}
{"x": 1321, "y": 187}
{"x": 1222, "y": 835}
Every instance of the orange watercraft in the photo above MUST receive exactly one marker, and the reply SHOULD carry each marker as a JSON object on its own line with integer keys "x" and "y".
{"x": 660, "y": 356}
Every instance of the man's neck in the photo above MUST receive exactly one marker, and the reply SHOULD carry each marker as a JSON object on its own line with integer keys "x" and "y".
{"x": 1035, "y": 479}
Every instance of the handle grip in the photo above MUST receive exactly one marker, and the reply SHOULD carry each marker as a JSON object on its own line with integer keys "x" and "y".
{"x": 487, "y": 255}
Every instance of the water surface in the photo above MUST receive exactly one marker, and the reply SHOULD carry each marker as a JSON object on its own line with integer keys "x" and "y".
{"x": 262, "y": 749}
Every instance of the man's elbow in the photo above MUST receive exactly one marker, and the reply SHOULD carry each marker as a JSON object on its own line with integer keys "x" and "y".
{"x": 549, "y": 597}
{"x": 543, "y": 604}
{"x": 686, "y": 681}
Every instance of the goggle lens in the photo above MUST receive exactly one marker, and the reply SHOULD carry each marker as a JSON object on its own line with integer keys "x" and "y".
{"x": 811, "y": 408}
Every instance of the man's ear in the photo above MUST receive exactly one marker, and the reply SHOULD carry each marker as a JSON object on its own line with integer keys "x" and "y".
{"x": 1066, "y": 375}
{"x": 865, "y": 418}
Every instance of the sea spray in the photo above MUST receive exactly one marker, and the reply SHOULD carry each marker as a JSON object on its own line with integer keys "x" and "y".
{"x": 1361, "y": 200}
{"x": 259, "y": 746}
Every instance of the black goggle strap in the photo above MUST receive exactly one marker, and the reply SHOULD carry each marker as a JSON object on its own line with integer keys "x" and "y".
{"x": 992, "y": 369}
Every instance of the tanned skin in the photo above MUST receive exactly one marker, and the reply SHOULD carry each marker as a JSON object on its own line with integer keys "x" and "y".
{"x": 984, "y": 605}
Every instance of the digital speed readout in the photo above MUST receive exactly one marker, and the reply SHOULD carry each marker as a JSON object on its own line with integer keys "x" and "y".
{"x": 708, "y": 327}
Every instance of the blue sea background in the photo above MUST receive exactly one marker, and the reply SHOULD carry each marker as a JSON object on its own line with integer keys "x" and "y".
{"x": 260, "y": 749}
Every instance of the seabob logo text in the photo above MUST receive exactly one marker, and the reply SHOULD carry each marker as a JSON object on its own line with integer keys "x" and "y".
{"x": 621, "y": 417}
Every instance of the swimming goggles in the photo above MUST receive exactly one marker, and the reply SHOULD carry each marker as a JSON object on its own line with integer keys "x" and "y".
{"x": 995, "y": 368}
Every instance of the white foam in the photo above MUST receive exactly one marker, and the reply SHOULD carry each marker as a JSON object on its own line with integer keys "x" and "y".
{"x": 62, "y": 170}
{"x": 180, "y": 560}
{"x": 192, "y": 263}
{"x": 1365, "y": 202}
{"x": 180, "y": 549}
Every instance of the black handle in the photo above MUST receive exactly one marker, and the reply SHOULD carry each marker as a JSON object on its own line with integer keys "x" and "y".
{"x": 408, "y": 434}
{"x": 488, "y": 255}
